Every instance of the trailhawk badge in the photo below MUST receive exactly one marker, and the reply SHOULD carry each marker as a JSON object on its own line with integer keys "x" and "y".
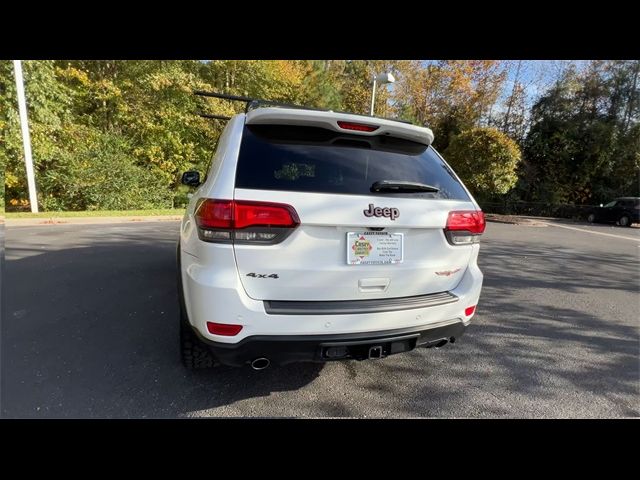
{"x": 447, "y": 273}
{"x": 392, "y": 213}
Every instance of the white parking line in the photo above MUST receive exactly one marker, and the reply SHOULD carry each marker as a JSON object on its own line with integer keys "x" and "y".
{"x": 595, "y": 233}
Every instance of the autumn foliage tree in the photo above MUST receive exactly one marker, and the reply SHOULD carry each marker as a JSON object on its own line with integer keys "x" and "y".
{"x": 118, "y": 134}
{"x": 448, "y": 96}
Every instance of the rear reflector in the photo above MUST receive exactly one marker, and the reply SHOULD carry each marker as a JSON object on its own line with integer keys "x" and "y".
{"x": 227, "y": 330}
{"x": 360, "y": 127}
{"x": 469, "y": 310}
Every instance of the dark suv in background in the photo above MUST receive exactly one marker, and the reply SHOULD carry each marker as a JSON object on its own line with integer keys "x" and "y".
{"x": 624, "y": 211}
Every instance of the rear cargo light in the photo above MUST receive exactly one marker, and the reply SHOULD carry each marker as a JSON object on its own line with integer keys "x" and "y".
{"x": 227, "y": 221}
{"x": 360, "y": 127}
{"x": 464, "y": 227}
{"x": 469, "y": 310}
{"x": 228, "y": 330}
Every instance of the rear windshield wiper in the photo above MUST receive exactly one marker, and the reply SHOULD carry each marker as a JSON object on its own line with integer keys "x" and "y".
{"x": 394, "y": 186}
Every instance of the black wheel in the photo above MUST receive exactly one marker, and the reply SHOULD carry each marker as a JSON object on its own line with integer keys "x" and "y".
{"x": 591, "y": 218}
{"x": 624, "y": 221}
{"x": 194, "y": 353}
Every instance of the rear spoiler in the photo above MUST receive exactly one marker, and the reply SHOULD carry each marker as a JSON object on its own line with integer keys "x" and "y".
{"x": 340, "y": 122}
{"x": 261, "y": 111}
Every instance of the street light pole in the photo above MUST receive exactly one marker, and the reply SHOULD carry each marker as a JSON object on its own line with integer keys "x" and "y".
{"x": 26, "y": 139}
{"x": 383, "y": 78}
{"x": 373, "y": 96}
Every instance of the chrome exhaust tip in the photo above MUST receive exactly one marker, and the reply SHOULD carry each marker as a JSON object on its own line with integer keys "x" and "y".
{"x": 260, "y": 363}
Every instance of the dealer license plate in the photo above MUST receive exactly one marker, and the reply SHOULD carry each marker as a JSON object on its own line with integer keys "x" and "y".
{"x": 374, "y": 248}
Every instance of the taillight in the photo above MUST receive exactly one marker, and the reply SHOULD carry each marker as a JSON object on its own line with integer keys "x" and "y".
{"x": 215, "y": 214}
{"x": 359, "y": 127}
{"x": 464, "y": 227}
{"x": 226, "y": 221}
{"x": 249, "y": 214}
{"x": 469, "y": 310}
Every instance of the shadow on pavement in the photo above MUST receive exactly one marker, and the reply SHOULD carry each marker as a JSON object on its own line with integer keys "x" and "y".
{"x": 93, "y": 332}
{"x": 524, "y": 355}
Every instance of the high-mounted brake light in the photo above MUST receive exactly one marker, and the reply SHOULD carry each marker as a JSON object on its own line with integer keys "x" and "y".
{"x": 464, "y": 227}
{"x": 360, "y": 127}
{"x": 226, "y": 221}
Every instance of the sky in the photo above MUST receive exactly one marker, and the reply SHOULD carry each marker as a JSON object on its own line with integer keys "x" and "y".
{"x": 536, "y": 75}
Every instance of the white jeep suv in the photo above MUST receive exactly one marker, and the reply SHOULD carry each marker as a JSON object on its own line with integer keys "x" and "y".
{"x": 322, "y": 236}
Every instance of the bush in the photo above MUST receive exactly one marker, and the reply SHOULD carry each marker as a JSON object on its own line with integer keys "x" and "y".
{"x": 102, "y": 176}
{"x": 485, "y": 159}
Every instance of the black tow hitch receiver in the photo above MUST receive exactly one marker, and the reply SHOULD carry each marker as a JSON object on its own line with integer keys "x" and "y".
{"x": 366, "y": 349}
{"x": 375, "y": 351}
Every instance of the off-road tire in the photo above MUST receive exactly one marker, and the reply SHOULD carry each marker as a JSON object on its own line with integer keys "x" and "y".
{"x": 194, "y": 353}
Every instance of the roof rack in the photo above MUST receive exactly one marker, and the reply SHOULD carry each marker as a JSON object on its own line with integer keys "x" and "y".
{"x": 215, "y": 117}
{"x": 253, "y": 103}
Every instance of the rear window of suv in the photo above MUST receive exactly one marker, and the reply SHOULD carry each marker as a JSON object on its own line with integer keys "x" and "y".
{"x": 310, "y": 159}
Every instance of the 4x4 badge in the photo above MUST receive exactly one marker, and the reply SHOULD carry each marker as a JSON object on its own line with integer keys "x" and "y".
{"x": 392, "y": 213}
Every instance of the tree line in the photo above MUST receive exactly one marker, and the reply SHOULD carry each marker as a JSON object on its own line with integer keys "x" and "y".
{"x": 117, "y": 134}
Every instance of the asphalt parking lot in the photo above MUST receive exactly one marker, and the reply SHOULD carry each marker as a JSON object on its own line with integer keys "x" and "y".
{"x": 89, "y": 329}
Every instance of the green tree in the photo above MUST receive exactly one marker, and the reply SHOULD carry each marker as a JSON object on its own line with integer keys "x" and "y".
{"x": 101, "y": 175}
{"x": 48, "y": 104}
{"x": 318, "y": 89}
{"x": 9, "y": 125}
{"x": 486, "y": 160}
{"x": 89, "y": 118}
{"x": 151, "y": 105}
{"x": 583, "y": 145}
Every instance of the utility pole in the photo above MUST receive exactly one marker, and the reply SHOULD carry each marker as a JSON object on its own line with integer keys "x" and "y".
{"x": 26, "y": 139}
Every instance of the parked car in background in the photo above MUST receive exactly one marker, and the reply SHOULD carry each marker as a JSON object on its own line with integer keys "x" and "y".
{"x": 624, "y": 211}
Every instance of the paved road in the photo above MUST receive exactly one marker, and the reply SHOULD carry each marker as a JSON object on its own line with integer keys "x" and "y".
{"x": 89, "y": 330}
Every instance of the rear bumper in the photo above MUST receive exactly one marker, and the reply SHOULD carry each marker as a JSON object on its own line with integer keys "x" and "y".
{"x": 283, "y": 349}
{"x": 212, "y": 293}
